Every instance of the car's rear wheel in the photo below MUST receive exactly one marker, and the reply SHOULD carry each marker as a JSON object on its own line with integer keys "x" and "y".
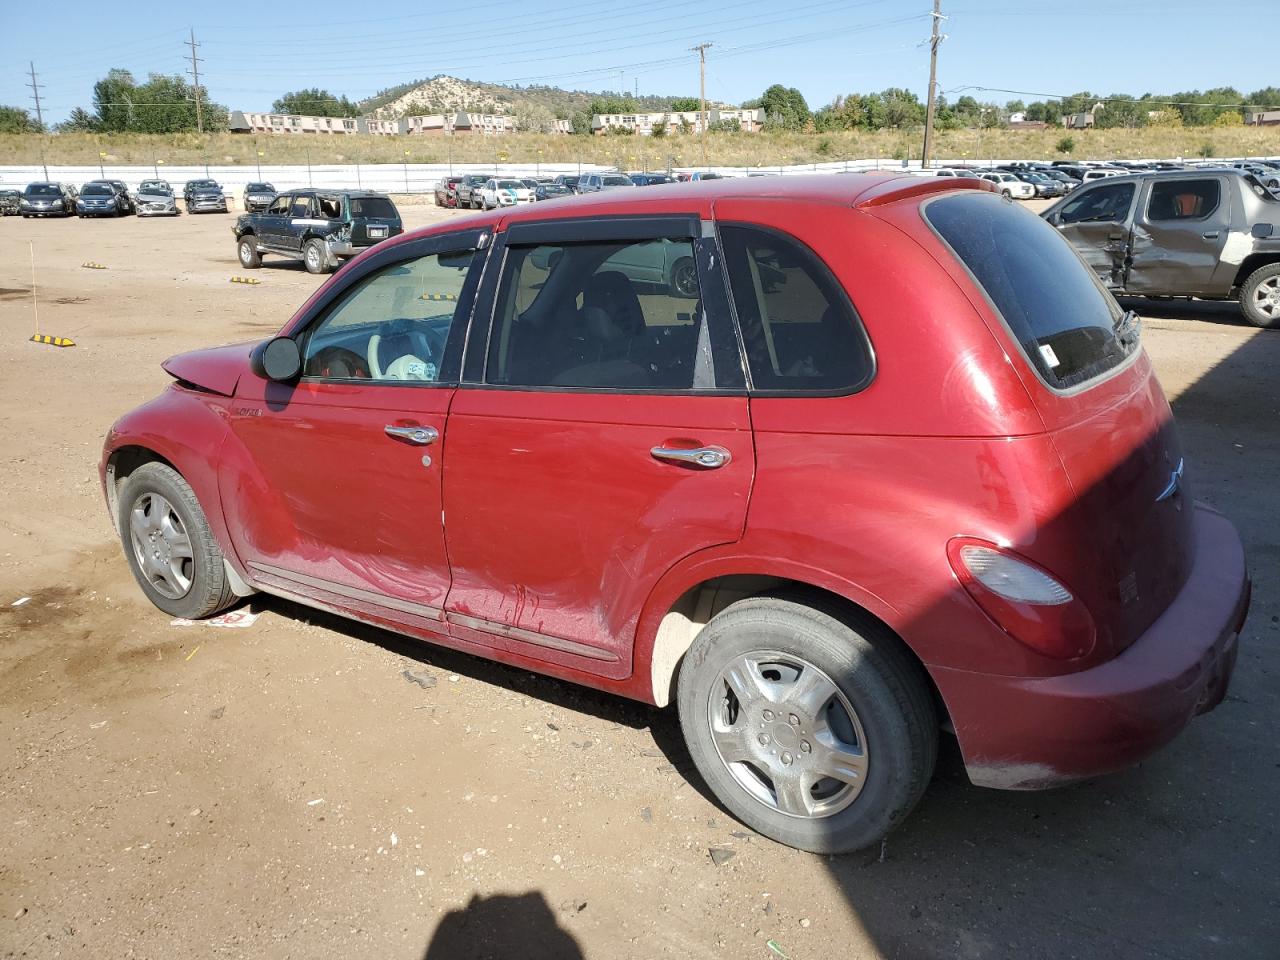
{"x": 250, "y": 259}
{"x": 1006, "y": 194}
{"x": 1260, "y": 297}
{"x": 812, "y": 726}
{"x": 313, "y": 256}
{"x": 171, "y": 552}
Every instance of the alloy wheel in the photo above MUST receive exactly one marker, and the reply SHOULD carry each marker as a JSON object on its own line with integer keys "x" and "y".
{"x": 1266, "y": 298}
{"x": 788, "y": 735}
{"x": 161, "y": 546}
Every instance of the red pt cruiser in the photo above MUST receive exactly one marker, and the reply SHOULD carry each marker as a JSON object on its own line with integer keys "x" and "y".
{"x": 831, "y": 464}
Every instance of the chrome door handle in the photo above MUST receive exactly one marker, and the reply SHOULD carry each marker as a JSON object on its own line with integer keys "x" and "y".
{"x": 708, "y": 458}
{"x": 421, "y": 436}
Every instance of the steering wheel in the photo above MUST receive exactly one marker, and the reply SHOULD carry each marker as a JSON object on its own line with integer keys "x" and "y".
{"x": 423, "y": 355}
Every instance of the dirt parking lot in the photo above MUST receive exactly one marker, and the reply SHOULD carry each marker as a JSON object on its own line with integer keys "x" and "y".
{"x": 308, "y": 787}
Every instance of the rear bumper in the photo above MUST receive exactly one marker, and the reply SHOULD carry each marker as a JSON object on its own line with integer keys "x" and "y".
{"x": 1021, "y": 733}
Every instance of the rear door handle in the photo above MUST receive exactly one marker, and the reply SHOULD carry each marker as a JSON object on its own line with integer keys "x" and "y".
{"x": 1115, "y": 236}
{"x": 1210, "y": 235}
{"x": 419, "y": 436}
{"x": 707, "y": 458}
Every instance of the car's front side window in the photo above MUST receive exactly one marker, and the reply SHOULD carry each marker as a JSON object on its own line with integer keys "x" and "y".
{"x": 623, "y": 315}
{"x": 393, "y": 325}
{"x": 301, "y": 207}
{"x": 280, "y": 206}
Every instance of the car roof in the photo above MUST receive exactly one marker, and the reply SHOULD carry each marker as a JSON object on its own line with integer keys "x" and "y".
{"x": 854, "y": 190}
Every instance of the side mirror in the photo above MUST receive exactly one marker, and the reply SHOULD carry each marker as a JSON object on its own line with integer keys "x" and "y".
{"x": 1054, "y": 218}
{"x": 279, "y": 359}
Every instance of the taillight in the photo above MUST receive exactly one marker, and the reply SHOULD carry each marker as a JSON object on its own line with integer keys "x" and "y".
{"x": 1024, "y": 600}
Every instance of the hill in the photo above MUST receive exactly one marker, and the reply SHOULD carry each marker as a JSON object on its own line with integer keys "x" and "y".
{"x": 442, "y": 94}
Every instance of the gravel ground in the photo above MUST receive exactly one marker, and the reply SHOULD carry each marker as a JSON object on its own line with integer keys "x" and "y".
{"x": 309, "y": 787}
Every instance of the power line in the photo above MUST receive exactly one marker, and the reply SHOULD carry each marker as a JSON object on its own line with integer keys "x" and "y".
{"x": 195, "y": 77}
{"x": 1113, "y": 99}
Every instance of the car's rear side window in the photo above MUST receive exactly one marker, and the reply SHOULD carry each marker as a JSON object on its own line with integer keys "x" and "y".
{"x": 799, "y": 328}
{"x": 1052, "y": 303}
{"x": 377, "y": 207}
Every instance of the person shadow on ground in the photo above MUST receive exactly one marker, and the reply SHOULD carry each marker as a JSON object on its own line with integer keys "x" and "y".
{"x": 502, "y": 927}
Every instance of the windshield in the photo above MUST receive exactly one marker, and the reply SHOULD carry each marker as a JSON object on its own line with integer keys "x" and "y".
{"x": 378, "y": 207}
{"x": 153, "y": 186}
{"x": 1070, "y": 328}
{"x": 617, "y": 180}
{"x": 97, "y": 190}
{"x": 43, "y": 190}
{"x": 203, "y": 185}
{"x": 510, "y": 185}
{"x": 260, "y": 188}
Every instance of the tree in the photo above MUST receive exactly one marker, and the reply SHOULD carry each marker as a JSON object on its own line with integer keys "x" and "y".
{"x": 684, "y": 104}
{"x": 164, "y": 104}
{"x": 1015, "y": 106}
{"x": 80, "y": 121}
{"x": 1065, "y": 145}
{"x": 316, "y": 103}
{"x": 16, "y": 120}
{"x": 785, "y": 108}
{"x": 902, "y": 108}
{"x": 1121, "y": 110}
{"x": 1038, "y": 110}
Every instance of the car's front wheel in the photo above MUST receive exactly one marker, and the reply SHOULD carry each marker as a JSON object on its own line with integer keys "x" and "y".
{"x": 250, "y": 259}
{"x": 313, "y": 256}
{"x": 1260, "y": 297}
{"x": 171, "y": 552}
{"x": 811, "y": 725}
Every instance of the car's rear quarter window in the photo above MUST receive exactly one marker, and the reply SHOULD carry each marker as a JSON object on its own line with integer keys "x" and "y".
{"x": 1051, "y": 302}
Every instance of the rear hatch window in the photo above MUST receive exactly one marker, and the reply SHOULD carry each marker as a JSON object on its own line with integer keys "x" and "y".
{"x": 1071, "y": 330}
{"x": 377, "y": 208}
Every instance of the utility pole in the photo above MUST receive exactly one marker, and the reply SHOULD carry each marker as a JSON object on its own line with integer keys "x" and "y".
{"x": 701, "y": 50}
{"x": 935, "y": 40}
{"x": 195, "y": 77}
{"x": 35, "y": 94}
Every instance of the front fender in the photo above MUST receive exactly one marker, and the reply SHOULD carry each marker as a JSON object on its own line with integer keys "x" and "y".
{"x": 186, "y": 428}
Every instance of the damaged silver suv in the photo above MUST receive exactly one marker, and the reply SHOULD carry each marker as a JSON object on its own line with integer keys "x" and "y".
{"x": 1209, "y": 234}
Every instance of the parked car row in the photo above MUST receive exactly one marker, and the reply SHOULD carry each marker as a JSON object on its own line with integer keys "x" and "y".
{"x": 481, "y": 191}
{"x": 111, "y": 198}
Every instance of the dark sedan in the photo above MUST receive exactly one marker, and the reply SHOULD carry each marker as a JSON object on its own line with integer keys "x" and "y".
{"x": 649, "y": 179}
{"x": 549, "y": 191}
{"x": 48, "y": 200}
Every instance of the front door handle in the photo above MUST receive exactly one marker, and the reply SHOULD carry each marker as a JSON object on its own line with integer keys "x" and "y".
{"x": 1210, "y": 235}
{"x": 420, "y": 436}
{"x": 1115, "y": 236}
{"x": 707, "y": 458}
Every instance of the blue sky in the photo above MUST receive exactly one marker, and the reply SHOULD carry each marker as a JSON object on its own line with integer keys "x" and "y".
{"x": 823, "y": 47}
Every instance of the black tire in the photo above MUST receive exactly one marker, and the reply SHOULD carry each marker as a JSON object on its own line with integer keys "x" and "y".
{"x": 209, "y": 590}
{"x": 684, "y": 278}
{"x": 247, "y": 250}
{"x": 1006, "y": 194}
{"x": 1251, "y": 292}
{"x": 880, "y": 680}
{"x": 314, "y": 257}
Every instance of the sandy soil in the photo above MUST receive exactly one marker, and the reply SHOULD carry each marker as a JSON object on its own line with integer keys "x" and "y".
{"x": 312, "y": 788}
